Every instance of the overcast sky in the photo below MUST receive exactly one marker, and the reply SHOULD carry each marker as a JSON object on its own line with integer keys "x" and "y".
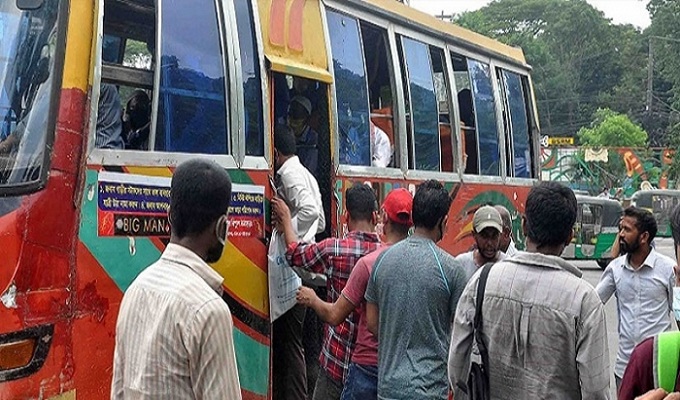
{"x": 619, "y": 11}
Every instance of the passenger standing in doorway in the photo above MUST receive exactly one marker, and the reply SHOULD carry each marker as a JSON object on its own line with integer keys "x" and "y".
{"x": 486, "y": 230}
{"x": 642, "y": 280}
{"x": 109, "y": 131}
{"x": 137, "y": 121}
{"x": 362, "y": 379}
{"x": 544, "y": 326}
{"x": 306, "y": 138}
{"x": 299, "y": 190}
{"x": 174, "y": 335}
{"x": 507, "y": 244}
{"x": 336, "y": 258}
{"x": 411, "y": 299}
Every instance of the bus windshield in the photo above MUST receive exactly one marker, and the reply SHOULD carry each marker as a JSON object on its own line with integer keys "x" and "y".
{"x": 28, "y": 39}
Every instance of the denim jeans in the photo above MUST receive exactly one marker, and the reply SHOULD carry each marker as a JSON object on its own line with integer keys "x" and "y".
{"x": 361, "y": 383}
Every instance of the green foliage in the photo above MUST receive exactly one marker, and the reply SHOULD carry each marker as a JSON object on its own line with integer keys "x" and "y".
{"x": 612, "y": 129}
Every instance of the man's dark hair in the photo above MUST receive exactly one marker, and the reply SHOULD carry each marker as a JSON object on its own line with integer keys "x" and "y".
{"x": 550, "y": 214}
{"x": 644, "y": 220}
{"x": 430, "y": 204}
{"x": 675, "y": 225}
{"x": 200, "y": 193}
{"x": 361, "y": 202}
{"x": 284, "y": 140}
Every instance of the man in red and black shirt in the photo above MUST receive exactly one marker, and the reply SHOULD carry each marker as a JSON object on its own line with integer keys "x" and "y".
{"x": 336, "y": 258}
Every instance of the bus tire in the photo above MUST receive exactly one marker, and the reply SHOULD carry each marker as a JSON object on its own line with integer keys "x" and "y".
{"x": 603, "y": 262}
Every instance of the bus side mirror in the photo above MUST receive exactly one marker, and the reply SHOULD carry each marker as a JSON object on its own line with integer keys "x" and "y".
{"x": 27, "y": 5}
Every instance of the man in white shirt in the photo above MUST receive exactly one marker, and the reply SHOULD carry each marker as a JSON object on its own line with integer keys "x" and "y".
{"x": 642, "y": 280}
{"x": 507, "y": 245}
{"x": 381, "y": 148}
{"x": 299, "y": 189}
{"x": 174, "y": 336}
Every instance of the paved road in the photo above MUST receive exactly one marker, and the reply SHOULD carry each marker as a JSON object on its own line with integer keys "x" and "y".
{"x": 592, "y": 273}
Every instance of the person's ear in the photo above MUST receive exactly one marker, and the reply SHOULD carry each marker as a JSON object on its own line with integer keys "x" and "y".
{"x": 524, "y": 227}
{"x": 570, "y": 238}
{"x": 644, "y": 237}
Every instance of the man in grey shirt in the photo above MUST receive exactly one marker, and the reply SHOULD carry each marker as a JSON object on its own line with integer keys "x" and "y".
{"x": 543, "y": 325}
{"x": 411, "y": 299}
{"x": 486, "y": 230}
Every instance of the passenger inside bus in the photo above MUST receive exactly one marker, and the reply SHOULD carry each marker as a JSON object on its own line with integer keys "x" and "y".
{"x": 137, "y": 121}
{"x": 299, "y": 114}
{"x": 109, "y": 130}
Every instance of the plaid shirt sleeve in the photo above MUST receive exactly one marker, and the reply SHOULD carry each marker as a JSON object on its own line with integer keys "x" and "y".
{"x": 310, "y": 256}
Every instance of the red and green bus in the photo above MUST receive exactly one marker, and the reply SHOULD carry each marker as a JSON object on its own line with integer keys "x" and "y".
{"x": 78, "y": 222}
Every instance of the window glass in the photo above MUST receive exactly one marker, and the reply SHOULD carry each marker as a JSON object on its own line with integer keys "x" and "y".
{"x": 137, "y": 54}
{"x": 28, "y": 43}
{"x": 252, "y": 92}
{"x": 192, "y": 102}
{"x": 111, "y": 48}
{"x": 519, "y": 124}
{"x": 351, "y": 90}
{"x": 485, "y": 118}
{"x": 424, "y": 112}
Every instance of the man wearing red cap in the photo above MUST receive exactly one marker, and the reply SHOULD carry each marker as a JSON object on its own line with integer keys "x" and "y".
{"x": 362, "y": 380}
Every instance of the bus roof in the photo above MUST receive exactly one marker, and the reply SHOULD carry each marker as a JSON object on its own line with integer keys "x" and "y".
{"x": 457, "y": 35}
{"x": 656, "y": 192}
{"x": 597, "y": 200}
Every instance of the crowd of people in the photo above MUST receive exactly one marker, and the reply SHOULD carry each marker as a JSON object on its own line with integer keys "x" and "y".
{"x": 403, "y": 318}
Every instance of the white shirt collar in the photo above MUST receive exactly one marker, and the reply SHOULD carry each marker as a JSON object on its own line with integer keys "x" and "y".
{"x": 181, "y": 255}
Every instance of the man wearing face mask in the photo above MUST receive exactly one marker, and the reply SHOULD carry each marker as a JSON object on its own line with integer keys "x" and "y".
{"x": 306, "y": 138}
{"x": 174, "y": 335}
{"x": 653, "y": 364}
{"x": 643, "y": 281}
{"x": 411, "y": 299}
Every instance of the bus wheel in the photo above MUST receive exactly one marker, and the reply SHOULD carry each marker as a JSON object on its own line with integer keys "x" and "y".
{"x": 603, "y": 262}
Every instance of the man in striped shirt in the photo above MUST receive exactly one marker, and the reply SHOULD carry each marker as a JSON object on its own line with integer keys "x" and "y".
{"x": 174, "y": 336}
{"x": 336, "y": 258}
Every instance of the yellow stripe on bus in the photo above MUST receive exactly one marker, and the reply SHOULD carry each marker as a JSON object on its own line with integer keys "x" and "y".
{"x": 163, "y": 172}
{"x": 65, "y": 396}
{"x": 78, "y": 45}
{"x": 244, "y": 279}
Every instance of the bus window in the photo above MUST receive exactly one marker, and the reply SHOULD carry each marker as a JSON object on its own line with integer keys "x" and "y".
{"x": 250, "y": 70}
{"x": 478, "y": 115}
{"x": 192, "y": 108}
{"x": 517, "y": 124}
{"x": 442, "y": 89}
{"x": 422, "y": 111}
{"x": 380, "y": 94}
{"x": 351, "y": 92}
{"x": 28, "y": 84}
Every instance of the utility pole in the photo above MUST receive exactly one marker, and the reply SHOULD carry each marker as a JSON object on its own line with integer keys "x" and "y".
{"x": 650, "y": 81}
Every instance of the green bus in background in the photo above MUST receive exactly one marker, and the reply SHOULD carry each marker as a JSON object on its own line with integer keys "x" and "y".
{"x": 661, "y": 203}
{"x": 595, "y": 230}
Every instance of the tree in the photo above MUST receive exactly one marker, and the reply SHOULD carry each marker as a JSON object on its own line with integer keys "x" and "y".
{"x": 581, "y": 60}
{"x": 611, "y": 129}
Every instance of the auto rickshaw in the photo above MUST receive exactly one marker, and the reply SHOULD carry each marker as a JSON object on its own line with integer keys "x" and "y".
{"x": 597, "y": 223}
{"x": 661, "y": 203}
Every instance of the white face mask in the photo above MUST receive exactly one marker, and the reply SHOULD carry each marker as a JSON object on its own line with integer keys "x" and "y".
{"x": 676, "y": 302}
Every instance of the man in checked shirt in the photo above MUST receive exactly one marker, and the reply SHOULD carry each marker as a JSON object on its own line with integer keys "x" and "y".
{"x": 336, "y": 258}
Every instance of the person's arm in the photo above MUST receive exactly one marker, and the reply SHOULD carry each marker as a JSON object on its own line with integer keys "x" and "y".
{"x": 117, "y": 386}
{"x": 457, "y": 283}
{"x": 462, "y": 334}
{"x": 331, "y": 313}
{"x": 210, "y": 344}
{"x": 592, "y": 350}
{"x": 282, "y": 220}
{"x": 371, "y": 296}
{"x": 607, "y": 286}
{"x": 372, "y": 318}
